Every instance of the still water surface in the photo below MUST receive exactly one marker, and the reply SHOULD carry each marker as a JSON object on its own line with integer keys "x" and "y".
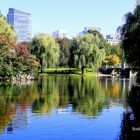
{"x": 63, "y": 108}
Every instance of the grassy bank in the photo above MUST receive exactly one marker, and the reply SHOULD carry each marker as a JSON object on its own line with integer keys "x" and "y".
{"x": 87, "y": 71}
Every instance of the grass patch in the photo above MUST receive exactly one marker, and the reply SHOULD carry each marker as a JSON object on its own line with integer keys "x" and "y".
{"x": 87, "y": 71}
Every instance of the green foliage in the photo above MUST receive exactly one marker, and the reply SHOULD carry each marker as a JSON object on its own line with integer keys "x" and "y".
{"x": 99, "y": 58}
{"x": 130, "y": 36}
{"x": 7, "y": 53}
{"x": 5, "y": 71}
{"x": 15, "y": 57}
{"x": 88, "y": 50}
{"x": 7, "y": 34}
{"x": 116, "y": 50}
{"x": 45, "y": 48}
{"x": 113, "y": 50}
{"x": 64, "y": 45}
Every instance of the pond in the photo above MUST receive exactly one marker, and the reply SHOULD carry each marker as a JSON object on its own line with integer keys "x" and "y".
{"x": 63, "y": 107}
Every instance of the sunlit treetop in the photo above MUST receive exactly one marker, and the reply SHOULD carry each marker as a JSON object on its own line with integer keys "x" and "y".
{"x": 7, "y": 34}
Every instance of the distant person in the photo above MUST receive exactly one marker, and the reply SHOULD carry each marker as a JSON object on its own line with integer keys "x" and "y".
{"x": 82, "y": 69}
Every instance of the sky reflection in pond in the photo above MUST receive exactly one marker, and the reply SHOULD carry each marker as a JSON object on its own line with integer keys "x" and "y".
{"x": 63, "y": 107}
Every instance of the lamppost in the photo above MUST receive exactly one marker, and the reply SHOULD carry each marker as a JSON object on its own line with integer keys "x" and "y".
{"x": 123, "y": 61}
{"x": 106, "y": 64}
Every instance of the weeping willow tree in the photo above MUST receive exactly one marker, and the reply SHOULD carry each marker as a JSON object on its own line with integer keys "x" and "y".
{"x": 45, "y": 48}
{"x": 99, "y": 57}
{"x": 89, "y": 50}
{"x": 64, "y": 45}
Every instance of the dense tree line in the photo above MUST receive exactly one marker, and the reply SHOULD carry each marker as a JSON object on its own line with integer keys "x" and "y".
{"x": 90, "y": 50}
{"x": 44, "y": 51}
{"x": 130, "y": 36}
{"x": 15, "y": 58}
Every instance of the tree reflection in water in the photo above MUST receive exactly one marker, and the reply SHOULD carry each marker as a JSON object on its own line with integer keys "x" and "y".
{"x": 130, "y": 128}
{"x": 85, "y": 95}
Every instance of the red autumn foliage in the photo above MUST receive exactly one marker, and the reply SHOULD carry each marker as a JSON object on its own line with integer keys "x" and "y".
{"x": 22, "y": 50}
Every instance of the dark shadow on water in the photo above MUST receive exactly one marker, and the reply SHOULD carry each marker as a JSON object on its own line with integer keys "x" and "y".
{"x": 130, "y": 127}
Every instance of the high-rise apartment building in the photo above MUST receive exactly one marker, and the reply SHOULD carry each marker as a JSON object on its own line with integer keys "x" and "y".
{"x": 113, "y": 39}
{"x": 21, "y": 22}
{"x": 86, "y": 29}
{"x": 60, "y": 34}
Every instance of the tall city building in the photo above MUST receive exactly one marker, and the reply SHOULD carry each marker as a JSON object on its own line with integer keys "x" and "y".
{"x": 113, "y": 39}
{"x": 59, "y": 34}
{"x": 86, "y": 29}
{"x": 21, "y": 22}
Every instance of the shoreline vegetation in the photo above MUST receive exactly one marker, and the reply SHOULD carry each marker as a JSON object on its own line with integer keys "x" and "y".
{"x": 44, "y": 54}
{"x": 53, "y": 71}
{"x": 72, "y": 71}
{"x": 81, "y": 55}
{"x": 29, "y": 78}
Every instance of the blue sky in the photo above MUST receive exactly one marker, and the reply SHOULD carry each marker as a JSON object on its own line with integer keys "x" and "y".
{"x": 72, "y": 15}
